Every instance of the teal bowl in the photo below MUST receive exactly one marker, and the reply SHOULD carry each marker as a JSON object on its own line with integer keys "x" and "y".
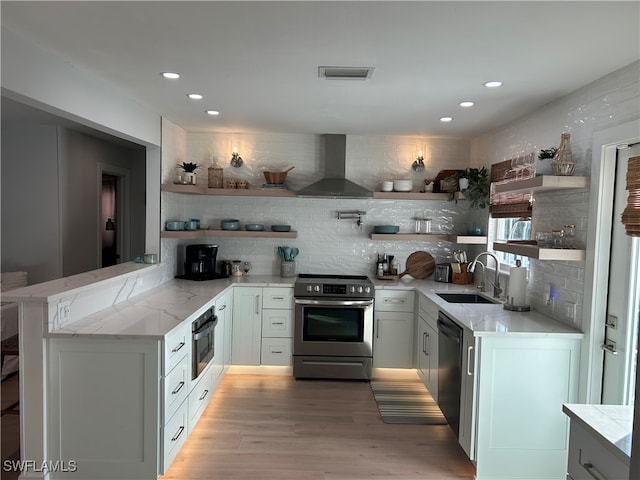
{"x": 254, "y": 227}
{"x": 230, "y": 224}
{"x": 386, "y": 229}
{"x": 280, "y": 228}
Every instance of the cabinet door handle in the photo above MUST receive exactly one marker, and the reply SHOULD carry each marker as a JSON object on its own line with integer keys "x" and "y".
{"x": 178, "y": 433}
{"x": 469, "y": 350}
{"x": 425, "y": 343}
{"x": 257, "y": 304}
{"x": 178, "y": 347}
{"x": 377, "y": 328}
{"x": 178, "y": 388}
{"x": 591, "y": 470}
{"x": 222, "y": 307}
{"x": 204, "y": 394}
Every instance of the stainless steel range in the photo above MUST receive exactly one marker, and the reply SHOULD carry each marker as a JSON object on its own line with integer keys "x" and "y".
{"x": 333, "y": 330}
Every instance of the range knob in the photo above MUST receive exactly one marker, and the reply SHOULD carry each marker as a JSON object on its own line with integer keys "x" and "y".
{"x": 367, "y": 289}
{"x": 316, "y": 288}
{"x": 359, "y": 289}
{"x": 309, "y": 288}
{"x": 352, "y": 289}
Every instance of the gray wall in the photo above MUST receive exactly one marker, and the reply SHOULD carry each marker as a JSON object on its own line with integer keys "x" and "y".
{"x": 30, "y": 212}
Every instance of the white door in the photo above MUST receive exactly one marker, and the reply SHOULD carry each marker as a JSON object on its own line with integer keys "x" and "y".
{"x": 618, "y": 383}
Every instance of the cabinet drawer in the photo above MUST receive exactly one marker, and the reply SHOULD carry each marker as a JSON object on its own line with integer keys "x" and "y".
{"x": 427, "y": 307}
{"x": 177, "y": 344}
{"x": 277, "y": 323}
{"x": 277, "y": 297}
{"x": 199, "y": 397}
{"x": 589, "y": 458}
{"x": 276, "y": 351}
{"x": 395, "y": 301}
{"x": 176, "y": 387}
{"x": 174, "y": 435}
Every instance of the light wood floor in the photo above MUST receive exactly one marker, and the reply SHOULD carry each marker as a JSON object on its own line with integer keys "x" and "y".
{"x": 275, "y": 427}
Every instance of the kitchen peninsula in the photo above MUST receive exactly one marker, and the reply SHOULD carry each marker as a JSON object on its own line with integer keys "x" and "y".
{"x": 106, "y": 344}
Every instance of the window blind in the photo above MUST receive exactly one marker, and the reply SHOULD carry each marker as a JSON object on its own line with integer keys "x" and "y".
{"x": 631, "y": 213}
{"x": 507, "y": 205}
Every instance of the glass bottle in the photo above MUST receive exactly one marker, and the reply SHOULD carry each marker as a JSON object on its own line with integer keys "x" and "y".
{"x": 563, "y": 162}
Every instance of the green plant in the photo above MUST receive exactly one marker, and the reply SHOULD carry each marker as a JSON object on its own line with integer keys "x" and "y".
{"x": 477, "y": 191}
{"x": 189, "y": 167}
{"x": 547, "y": 153}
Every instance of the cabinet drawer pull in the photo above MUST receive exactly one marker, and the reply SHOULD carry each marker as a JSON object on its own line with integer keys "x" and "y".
{"x": 277, "y": 298}
{"x": 591, "y": 470}
{"x": 178, "y": 347}
{"x": 204, "y": 394}
{"x": 178, "y": 388}
{"x": 469, "y": 350}
{"x": 222, "y": 307}
{"x": 178, "y": 433}
{"x": 280, "y": 352}
{"x": 395, "y": 300}
{"x": 277, "y": 323}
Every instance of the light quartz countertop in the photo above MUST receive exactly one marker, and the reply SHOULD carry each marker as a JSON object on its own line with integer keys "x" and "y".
{"x": 156, "y": 312}
{"x": 612, "y": 424}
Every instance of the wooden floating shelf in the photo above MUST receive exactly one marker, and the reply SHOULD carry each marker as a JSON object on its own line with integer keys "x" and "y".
{"x": 533, "y": 251}
{"x": 225, "y": 233}
{"x": 429, "y": 237}
{"x": 230, "y": 192}
{"x": 410, "y": 195}
{"x": 543, "y": 183}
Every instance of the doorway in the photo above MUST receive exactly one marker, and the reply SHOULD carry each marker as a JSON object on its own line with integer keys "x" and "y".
{"x": 623, "y": 297}
{"x": 114, "y": 215}
{"x": 110, "y": 204}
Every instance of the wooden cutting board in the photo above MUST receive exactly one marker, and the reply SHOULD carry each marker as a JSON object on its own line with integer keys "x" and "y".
{"x": 419, "y": 265}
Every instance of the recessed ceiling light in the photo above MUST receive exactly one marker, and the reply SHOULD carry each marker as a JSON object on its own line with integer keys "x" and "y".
{"x": 194, "y": 96}
{"x": 213, "y": 112}
{"x": 170, "y": 75}
{"x": 492, "y": 84}
{"x": 466, "y": 104}
{"x": 446, "y": 119}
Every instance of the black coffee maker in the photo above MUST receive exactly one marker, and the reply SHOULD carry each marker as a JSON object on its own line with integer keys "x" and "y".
{"x": 200, "y": 262}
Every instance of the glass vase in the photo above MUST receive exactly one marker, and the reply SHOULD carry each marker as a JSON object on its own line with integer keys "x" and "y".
{"x": 563, "y": 162}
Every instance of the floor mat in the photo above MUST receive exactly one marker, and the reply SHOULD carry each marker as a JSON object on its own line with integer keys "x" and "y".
{"x": 406, "y": 402}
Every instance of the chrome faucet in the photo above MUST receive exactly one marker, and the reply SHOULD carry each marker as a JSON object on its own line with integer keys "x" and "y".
{"x": 480, "y": 286}
{"x": 496, "y": 283}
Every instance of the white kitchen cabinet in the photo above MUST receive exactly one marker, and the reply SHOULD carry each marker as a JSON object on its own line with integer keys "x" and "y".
{"x": 247, "y": 326}
{"x": 224, "y": 311}
{"x": 427, "y": 344}
{"x": 394, "y": 329}
{"x": 277, "y": 326}
{"x": 201, "y": 394}
{"x": 513, "y": 389}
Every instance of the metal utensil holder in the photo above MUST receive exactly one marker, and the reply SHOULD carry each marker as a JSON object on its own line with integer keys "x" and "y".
{"x": 288, "y": 269}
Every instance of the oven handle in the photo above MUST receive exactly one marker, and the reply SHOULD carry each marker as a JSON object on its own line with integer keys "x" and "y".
{"x": 205, "y": 329}
{"x": 346, "y": 303}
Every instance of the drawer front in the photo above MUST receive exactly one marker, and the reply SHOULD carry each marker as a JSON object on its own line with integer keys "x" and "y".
{"x": 277, "y": 323}
{"x": 277, "y": 297}
{"x": 199, "y": 397}
{"x": 177, "y": 344}
{"x": 589, "y": 459}
{"x": 174, "y": 435}
{"x": 427, "y": 306}
{"x": 276, "y": 351}
{"x": 395, "y": 301}
{"x": 176, "y": 388}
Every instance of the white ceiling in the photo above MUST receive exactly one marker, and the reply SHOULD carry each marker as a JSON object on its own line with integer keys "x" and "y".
{"x": 256, "y": 62}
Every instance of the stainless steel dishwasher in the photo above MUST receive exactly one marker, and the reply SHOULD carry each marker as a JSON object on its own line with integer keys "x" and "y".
{"x": 449, "y": 369}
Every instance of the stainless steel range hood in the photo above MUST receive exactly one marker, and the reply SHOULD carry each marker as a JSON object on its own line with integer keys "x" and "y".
{"x": 335, "y": 185}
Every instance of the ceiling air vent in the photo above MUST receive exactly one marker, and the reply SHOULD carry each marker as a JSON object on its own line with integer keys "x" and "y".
{"x": 345, "y": 73}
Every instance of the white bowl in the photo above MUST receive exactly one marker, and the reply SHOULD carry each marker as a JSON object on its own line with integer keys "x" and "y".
{"x": 403, "y": 185}
{"x": 387, "y": 186}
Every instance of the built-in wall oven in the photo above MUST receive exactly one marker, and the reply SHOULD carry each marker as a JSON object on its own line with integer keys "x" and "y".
{"x": 333, "y": 328}
{"x": 203, "y": 331}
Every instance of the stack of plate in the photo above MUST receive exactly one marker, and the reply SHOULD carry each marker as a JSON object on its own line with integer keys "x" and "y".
{"x": 402, "y": 185}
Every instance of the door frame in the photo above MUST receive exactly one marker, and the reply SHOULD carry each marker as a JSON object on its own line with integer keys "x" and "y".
{"x": 123, "y": 210}
{"x": 601, "y": 195}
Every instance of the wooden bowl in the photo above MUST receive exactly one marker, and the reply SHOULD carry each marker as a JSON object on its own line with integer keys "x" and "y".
{"x": 275, "y": 177}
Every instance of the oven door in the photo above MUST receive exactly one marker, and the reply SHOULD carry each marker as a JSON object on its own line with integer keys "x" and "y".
{"x": 203, "y": 342}
{"x": 333, "y": 327}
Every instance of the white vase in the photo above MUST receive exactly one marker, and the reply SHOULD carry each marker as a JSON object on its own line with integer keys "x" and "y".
{"x": 190, "y": 177}
{"x": 463, "y": 183}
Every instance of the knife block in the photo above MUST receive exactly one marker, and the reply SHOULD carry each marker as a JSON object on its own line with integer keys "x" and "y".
{"x": 464, "y": 277}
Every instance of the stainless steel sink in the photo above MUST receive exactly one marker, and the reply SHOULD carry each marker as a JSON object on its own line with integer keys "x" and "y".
{"x": 465, "y": 298}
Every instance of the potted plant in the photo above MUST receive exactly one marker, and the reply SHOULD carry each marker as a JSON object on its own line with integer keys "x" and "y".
{"x": 547, "y": 153}
{"x": 477, "y": 187}
{"x": 189, "y": 169}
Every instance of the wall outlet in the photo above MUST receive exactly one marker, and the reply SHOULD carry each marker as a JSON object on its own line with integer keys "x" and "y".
{"x": 64, "y": 312}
